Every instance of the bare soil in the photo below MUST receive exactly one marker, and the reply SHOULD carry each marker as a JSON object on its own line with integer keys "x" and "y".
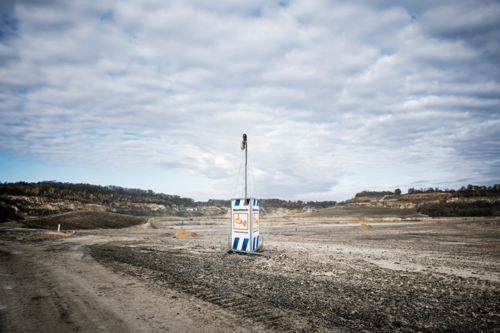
{"x": 361, "y": 211}
{"x": 86, "y": 220}
{"x": 36, "y": 236}
{"x": 399, "y": 277}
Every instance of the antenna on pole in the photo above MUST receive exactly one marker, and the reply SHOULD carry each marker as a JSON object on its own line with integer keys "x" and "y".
{"x": 244, "y": 146}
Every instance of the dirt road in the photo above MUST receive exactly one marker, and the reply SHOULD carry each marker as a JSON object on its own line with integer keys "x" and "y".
{"x": 56, "y": 287}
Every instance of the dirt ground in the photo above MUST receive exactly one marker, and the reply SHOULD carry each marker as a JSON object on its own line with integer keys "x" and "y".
{"x": 360, "y": 211}
{"x": 394, "y": 277}
{"x": 85, "y": 220}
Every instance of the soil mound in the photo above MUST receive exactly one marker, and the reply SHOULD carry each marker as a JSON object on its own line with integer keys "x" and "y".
{"x": 364, "y": 226}
{"x": 150, "y": 224}
{"x": 438, "y": 222}
{"x": 86, "y": 220}
{"x": 181, "y": 233}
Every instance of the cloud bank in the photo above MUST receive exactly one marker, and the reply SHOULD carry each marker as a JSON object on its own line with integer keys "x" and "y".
{"x": 335, "y": 96}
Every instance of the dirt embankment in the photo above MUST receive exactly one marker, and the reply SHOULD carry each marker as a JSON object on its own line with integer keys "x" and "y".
{"x": 367, "y": 198}
{"x": 36, "y": 236}
{"x": 20, "y": 207}
{"x": 413, "y": 201}
{"x": 424, "y": 197}
{"x": 362, "y": 201}
{"x": 359, "y": 212}
{"x": 86, "y": 220}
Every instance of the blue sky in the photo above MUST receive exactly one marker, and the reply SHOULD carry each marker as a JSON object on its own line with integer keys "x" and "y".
{"x": 336, "y": 96}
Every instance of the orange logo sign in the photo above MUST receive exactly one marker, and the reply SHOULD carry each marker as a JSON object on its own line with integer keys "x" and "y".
{"x": 255, "y": 221}
{"x": 240, "y": 221}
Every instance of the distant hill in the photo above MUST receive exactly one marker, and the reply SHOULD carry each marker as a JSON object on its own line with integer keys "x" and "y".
{"x": 88, "y": 193}
{"x": 24, "y": 200}
{"x": 472, "y": 200}
{"x": 368, "y": 198}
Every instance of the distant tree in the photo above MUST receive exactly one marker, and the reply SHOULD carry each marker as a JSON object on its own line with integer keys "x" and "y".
{"x": 397, "y": 191}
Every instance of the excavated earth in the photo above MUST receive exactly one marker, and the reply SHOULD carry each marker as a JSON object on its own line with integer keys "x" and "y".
{"x": 399, "y": 277}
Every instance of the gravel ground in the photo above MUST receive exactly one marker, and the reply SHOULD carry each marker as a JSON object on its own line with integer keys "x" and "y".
{"x": 425, "y": 278}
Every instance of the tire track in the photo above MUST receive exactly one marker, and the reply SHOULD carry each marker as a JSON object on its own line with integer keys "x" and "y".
{"x": 172, "y": 273}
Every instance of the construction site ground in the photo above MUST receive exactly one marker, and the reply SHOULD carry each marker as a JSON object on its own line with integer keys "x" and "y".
{"x": 394, "y": 277}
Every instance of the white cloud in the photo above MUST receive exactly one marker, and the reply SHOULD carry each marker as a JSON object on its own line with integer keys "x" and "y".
{"x": 335, "y": 96}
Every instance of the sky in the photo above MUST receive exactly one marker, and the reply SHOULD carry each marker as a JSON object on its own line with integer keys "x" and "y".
{"x": 336, "y": 97}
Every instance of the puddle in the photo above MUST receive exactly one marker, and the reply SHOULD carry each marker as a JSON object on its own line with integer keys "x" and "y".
{"x": 8, "y": 288}
{"x": 3, "y": 307}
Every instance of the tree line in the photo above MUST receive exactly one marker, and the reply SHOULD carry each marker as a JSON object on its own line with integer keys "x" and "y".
{"x": 373, "y": 193}
{"x": 97, "y": 194}
{"x": 469, "y": 191}
{"x": 88, "y": 193}
{"x": 452, "y": 209}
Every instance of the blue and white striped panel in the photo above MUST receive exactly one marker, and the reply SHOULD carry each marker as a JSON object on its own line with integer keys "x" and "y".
{"x": 244, "y": 247}
{"x": 239, "y": 244}
{"x": 235, "y": 243}
{"x": 255, "y": 243}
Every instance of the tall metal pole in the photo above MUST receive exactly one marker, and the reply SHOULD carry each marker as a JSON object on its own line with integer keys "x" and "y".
{"x": 246, "y": 155}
